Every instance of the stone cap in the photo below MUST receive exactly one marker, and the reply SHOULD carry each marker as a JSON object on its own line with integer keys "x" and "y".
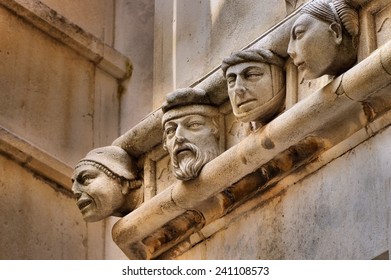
{"x": 187, "y": 101}
{"x": 252, "y": 55}
{"x": 114, "y": 158}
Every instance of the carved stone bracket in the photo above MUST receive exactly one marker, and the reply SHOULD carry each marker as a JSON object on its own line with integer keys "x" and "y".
{"x": 328, "y": 117}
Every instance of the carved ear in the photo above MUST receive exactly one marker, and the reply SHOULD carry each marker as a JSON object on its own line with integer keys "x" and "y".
{"x": 336, "y": 30}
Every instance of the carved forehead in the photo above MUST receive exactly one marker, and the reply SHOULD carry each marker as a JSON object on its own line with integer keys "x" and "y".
{"x": 186, "y": 119}
{"x": 203, "y": 110}
{"x": 87, "y": 168}
{"x": 242, "y": 67}
{"x": 251, "y": 55}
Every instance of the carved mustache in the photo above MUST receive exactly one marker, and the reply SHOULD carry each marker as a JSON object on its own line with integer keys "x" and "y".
{"x": 183, "y": 147}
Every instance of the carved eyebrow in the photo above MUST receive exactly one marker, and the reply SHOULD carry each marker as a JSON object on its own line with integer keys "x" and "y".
{"x": 301, "y": 25}
{"x": 79, "y": 176}
{"x": 170, "y": 124}
{"x": 231, "y": 75}
{"x": 260, "y": 68}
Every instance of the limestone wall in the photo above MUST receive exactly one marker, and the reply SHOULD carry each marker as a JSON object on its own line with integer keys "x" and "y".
{"x": 59, "y": 99}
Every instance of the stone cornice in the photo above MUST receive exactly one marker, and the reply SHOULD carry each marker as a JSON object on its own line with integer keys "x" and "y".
{"x": 35, "y": 159}
{"x": 71, "y": 35}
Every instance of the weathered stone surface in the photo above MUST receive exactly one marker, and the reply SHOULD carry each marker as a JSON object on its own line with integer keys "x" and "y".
{"x": 343, "y": 216}
{"x": 38, "y": 221}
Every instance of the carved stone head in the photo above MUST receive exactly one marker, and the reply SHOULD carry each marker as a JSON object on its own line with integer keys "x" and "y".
{"x": 104, "y": 184}
{"x": 191, "y": 132}
{"x": 256, "y": 84}
{"x": 323, "y": 39}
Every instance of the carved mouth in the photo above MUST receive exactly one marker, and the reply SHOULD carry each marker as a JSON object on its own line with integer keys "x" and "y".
{"x": 83, "y": 203}
{"x": 182, "y": 151}
{"x": 245, "y": 102}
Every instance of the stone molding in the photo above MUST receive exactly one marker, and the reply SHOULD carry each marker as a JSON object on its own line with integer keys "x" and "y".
{"x": 35, "y": 159}
{"x": 71, "y": 35}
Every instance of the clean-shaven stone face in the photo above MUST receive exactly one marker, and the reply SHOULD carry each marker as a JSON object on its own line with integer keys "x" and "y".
{"x": 249, "y": 87}
{"x": 98, "y": 196}
{"x": 313, "y": 46}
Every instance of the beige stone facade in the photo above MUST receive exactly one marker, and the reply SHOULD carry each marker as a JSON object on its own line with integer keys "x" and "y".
{"x": 314, "y": 183}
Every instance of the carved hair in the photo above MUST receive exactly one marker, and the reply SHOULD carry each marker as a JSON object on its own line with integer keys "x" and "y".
{"x": 338, "y": 11}
{"x": 252, "y": 55}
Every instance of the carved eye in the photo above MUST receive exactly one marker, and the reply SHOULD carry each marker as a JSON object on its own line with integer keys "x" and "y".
{"x": 170, "y": 131}
{"x": 85, "y": 178}
{"x": 254, "y": 75}
{"x": 298, "y": 33}
{"x": 231, "y": 81}
{"x": 195, "y": 125}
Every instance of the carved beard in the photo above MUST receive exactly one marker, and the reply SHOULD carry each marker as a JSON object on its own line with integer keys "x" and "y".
{"x": 190, "y": 166}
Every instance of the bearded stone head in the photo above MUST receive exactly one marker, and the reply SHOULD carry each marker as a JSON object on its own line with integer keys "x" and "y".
{"x": 191, "y": 134}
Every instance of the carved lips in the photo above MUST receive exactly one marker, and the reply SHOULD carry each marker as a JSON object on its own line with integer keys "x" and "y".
{"x": 182, "y": 150}
{"x": 83, "y": 203}
{"x": 244, "y": 102}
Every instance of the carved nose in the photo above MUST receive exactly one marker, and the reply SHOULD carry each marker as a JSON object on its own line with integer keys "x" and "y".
{"x": 179, "y": 135}
{"x": 291, "y": 51}
{"x": 76, "y": 191}
{"x": 240, "y": 89}
{"x": 77, "y": 195}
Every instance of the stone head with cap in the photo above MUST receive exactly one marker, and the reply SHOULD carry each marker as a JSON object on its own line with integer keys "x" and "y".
{"x": 105, "y": 184}
{"x": 256, "y": 84}
{"x": 323, "y": 39}
{"x": 191, "y": 131}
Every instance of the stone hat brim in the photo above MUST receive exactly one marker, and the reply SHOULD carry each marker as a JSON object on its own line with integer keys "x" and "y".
{"x": 178, "y": 112}
{"x": 114, "y": 158}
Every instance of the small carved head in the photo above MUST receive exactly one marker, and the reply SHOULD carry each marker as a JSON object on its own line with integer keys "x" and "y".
{"x": 104, "y": 184}
{"x": 191, "y": 132}
{"x": 256, "y": 84}
{"x": 323, "y": 39}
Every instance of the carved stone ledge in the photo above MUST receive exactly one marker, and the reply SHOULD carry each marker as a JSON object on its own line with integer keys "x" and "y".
{"x": 326, "y": 118}
{"x": 61, "y": 29}
{"x": 35, "y": 159}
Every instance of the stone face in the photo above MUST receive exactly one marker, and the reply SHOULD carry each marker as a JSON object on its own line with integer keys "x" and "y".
{"x": 256, "y": 84}
{"x": 191, "y": 131}
{"x": 105, "y": 184}
{"x": 330, "y": 25}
